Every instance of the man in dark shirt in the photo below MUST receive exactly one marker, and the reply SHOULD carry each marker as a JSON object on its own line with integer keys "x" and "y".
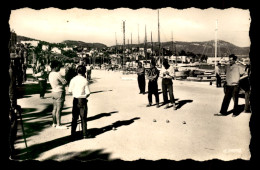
{"x": 152, "y": 76}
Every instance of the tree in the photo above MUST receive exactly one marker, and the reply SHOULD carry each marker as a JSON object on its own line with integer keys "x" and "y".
{"x": 69, "y": 53}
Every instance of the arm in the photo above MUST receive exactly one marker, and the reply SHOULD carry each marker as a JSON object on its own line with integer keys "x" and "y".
{"x": 71, "y": 86}
{"x": 62, "y": 80}
{"x": 87, "y": 91}
{"x": 162, "y": 72}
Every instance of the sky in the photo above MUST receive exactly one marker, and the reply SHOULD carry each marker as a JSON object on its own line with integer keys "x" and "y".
{"x": 106, "y": 26}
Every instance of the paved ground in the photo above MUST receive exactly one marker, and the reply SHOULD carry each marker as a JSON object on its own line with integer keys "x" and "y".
{"x": 122, "y": 127}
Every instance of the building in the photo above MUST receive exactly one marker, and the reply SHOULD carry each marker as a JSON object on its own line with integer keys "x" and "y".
{"x": 32, "y": 43}
{"x": 45, "y": 47}
{"x": 56, "y": 50}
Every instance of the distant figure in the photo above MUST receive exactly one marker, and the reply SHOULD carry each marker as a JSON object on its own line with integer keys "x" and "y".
{"x": 80, "y": 91}
{"x": 233, "y": 73}
{"x": 141, "y": 78}
{"x": 42, "y": 77}
{"x": 70, "y": 72}
{"x": 58, "y": 93}
{"x": 152, "y": 76}
{"x": 218, "y": 78}
{"x": 89, "y": 68}
{"x": 167, "y": 75}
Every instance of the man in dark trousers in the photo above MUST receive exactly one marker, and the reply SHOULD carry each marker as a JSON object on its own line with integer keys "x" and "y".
{"x": 80, "y": 90}
{"x": 13, "y": 105}
{"x": 233, "y": 73}
{"x": 141, "y": 78}
{"x": 152, "y": 76}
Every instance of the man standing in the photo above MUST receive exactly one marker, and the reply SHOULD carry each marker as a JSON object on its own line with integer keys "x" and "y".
{"x": 152, "y": 75}
{"x": 13, "y": 105}
{"x": 58, "y": 93}
{"x": 80, "y": 91}
{"x": 233, "y": 74}
{"x": 167, "y": 75}
{"x": 141, "y": 78}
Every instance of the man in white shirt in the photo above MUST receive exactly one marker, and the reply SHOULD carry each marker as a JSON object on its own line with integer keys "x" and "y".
{"x": 167, "y": 75}
{"x": 58, "y": 93}
{"x": 233, "y": 74}
{"x": 80, "y": 91}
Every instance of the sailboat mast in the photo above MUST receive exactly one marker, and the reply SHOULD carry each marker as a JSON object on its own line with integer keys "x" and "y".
{"x": 216, "y": 43}
{"x": 175, "y": 52}
{"x": 152, "y": 42}
{"x": 159, "y": 36}
{"x": 123, "y": 42}
{"x": 131, "y": 45}
{"x": 116, "y": 42}
{"x": 145, "y": 46}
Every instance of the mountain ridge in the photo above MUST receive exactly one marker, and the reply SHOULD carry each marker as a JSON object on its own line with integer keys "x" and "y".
{"x": 196, "y": 47}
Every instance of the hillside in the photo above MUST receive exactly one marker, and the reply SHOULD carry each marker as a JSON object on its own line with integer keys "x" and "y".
{"x": 205, "y": 48}
{"x": 84, "y": 44}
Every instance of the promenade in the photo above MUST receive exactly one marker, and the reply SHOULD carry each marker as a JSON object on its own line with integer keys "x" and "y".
{"x": 122, "y": 127}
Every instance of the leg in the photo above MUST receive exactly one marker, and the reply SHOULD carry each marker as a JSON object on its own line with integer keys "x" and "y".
{"x": 41, "y": 88}
{"x": 83, "y": 115}
{"x": 247, "y": 101}
{"x": 226, "y": 100}
{"x": 139, "y": 83}
{"x": 12, "y": 131}
{"x": 75, "y": 116}
{"x": 44, "y": 87}
{"x": 156, "y": 94}
{"x": 54, "y": 110}
{"x": 150, "y": 100}
{"x": 144, "y": 84}
{"x": 235, "y": 99}
{"x": 58, "y": 112}
{"x": 164, "y": 90}
{"x": 170, "y": 89}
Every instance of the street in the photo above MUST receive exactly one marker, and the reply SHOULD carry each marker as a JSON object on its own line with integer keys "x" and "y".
{"x": 122, "y": 127}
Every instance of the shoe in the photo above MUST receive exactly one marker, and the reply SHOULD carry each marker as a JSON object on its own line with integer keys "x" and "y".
{"x": 149, "y": 105}
{"x": 61, "y": 127}
{"x": 166, "y": 106}
{"x": 234, "y": 115}
{"x": 53, "y": 125}
{"x": 157, "y": 105}
{"x": 219, "y": 114}
{"x": 174, "y": 107}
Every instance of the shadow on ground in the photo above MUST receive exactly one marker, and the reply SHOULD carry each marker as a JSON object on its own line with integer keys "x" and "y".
{"x": 182, "y": 103}
{"x": 240, "y": 109}
{"x": 100, "y": 91}
{"x": 35, "y": 122}
{"x": 83, "y": 156}
{"x": 25, "y": 90}
{"x": 33, "y": 152}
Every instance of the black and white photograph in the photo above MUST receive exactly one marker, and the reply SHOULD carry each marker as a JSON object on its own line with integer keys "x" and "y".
{"x": 129, "y": 84}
